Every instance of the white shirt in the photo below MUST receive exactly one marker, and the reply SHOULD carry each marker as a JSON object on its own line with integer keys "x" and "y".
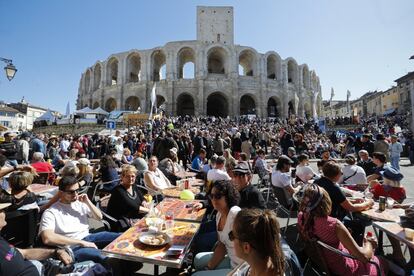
{"x": 64, "y": 145}
{"x": 305, "y": 173}
{"x": 69, "y": 220}
{"x": 217, "y": 174}
{"x": 223, "y": 235}
{"x": 353, "y": 174}
{"x": 280, "y": 179}
{"x": 158, "y": 179}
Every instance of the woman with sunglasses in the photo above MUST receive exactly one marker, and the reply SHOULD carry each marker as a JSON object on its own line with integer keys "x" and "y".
{"x": 224, "y": 198}
{"x": 256, "y": 239}
{"x": 315, "y": 222}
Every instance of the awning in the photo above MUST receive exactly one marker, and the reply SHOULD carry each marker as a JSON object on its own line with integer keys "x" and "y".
{"x": 389, "y": 111}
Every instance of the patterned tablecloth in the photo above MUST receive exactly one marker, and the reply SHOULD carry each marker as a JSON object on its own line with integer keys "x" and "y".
{"x": 184, "y": 174}
{"x": 175, "y": 191}
{"x": 392, "y": 215}
{"x": 181, "y": 210}
{"x": 127, "y": 246}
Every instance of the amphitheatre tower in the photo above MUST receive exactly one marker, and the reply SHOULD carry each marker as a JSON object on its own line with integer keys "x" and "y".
{"x": 207, "y": 76}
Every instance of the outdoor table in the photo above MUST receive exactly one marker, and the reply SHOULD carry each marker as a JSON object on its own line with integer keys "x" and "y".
{"x": 390, "y": 215}
{"x": 181, "y": 209}
{"x": 39, "y": 189}
{"x": 393, "y": 229}
{"x": 175, "y": 191}
{"x": 356, "y": 187}
{"x": 184, "y": 174}
{"x": 128, "y": 247}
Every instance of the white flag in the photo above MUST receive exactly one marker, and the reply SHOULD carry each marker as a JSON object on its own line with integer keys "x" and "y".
{"x": 67, "y": 110}
{"x": 153, "y": 99}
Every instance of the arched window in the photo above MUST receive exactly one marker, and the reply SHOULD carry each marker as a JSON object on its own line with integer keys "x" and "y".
{"x": 158, "y": 65}
{"x": 273, "y": 65}
{"x": 247, "y": 61}
{"x": 292, "y": 71}
{"x": 133, "y": 68}
{"x": 216, "y": 61}
{"x": 112, "y": 72}
{"x": 186, "y": 63}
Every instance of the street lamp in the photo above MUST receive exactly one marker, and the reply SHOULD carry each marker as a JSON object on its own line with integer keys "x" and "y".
{"x": 10, "y": 69}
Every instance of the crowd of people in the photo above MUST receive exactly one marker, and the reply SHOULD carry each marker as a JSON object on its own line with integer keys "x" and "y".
{"x": 244, "y": 237}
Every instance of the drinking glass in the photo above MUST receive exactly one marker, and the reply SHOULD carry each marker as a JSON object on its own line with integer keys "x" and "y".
{"x": 390, "y": 202}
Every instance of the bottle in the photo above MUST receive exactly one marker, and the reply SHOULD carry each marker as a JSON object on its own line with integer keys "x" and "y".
{"x": 382, "y": 203}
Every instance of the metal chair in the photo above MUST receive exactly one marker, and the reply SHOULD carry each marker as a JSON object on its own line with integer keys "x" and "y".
{"x": 284, "y": 205}
{"x": 107, "y": 220}
{"x": 99, "y": 189}
{"x": 313, "y": 250}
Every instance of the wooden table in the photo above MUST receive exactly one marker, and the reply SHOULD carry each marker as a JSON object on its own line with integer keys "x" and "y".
{"x": 39, "y": 189}
{"x": 390, "y": 215}
{"x": 393, "y": 229}
{"x": 181, "y": 209}
{"x": 184, "y": 174}
{"x": 128, "y": 247}
{"x": 175, "y": 191}
{"x": 356, "y": 187}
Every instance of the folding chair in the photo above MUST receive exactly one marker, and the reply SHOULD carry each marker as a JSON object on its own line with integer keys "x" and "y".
{"x": 313, "y": 250}
{"x": 21, "y": 228}
{"x": 284, "y": 206}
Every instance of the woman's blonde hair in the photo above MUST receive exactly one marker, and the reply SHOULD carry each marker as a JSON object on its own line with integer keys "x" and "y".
{"x": 128, "y": 168}
{"x": 20, "y": 180}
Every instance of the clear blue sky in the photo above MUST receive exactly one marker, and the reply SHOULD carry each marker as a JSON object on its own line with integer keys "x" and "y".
{"x": 356, "y": 45}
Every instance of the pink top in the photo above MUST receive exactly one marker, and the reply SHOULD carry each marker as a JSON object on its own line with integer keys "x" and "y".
{"x": 324, "y": 230}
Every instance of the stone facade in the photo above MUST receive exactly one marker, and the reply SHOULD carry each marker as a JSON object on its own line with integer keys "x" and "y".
{"x": 225, "y": 79}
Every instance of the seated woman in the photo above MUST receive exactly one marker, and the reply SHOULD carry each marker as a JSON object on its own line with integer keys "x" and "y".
{"x": 19, "y": 196}
{"x": 224, "y": 198}
{"x": 154, "y": 177}
{"x": 304, "y": 172}
{"x": 391, "y": 186}
{"x": 109, "y": 173}
{"x": 127, "y": 157}
{"x": 257, "y": 241}
{"x": 351, "y": 173}
{"x": 314, "y": 221}
{"x": 170, "y": 166}
{"x": 85, "y": 175}
{"x": 126, "y": 203}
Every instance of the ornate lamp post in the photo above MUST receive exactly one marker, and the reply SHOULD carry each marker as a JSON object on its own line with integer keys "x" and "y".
{"x": 412, "y": 101}
{"x": 10, "y": 68}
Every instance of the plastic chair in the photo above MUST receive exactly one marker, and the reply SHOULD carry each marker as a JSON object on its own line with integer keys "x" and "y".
{"x": 313, "y": 250}
{"x": 21, "y": 228}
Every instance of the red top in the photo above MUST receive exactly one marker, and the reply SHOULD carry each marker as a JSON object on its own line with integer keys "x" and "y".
{"x": 396, "y": 193}
{"x": 42, "y": 167}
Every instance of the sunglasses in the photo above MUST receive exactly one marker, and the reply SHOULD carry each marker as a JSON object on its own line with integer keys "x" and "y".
{"x": 72, "y": 192}
{"x": 215, "y": 196}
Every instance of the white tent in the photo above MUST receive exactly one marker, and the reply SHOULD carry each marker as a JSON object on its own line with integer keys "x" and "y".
{"x": 85, "y": 110}
{"x": 47, "y": 116}
{"x": 100, "y": 111}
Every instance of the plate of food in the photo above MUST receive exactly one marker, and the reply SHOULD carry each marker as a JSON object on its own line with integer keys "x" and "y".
{"x": 154, "y": 239}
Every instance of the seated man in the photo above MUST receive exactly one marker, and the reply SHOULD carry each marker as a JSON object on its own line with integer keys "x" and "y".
{"x": 66, "y": 223}
{"x": 380, "y": 161}
{"x": 16, "y": 261}
{"x": 198, "y": 161}
{"x": 351, "y": 173}
{"x": 281, "y": 177}
{"x": 366, "y": 162}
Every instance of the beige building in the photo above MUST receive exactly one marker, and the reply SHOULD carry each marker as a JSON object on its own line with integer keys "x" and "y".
{"x": 225, "y": 79}
{"x": 390, "y": 101}
{"x": 403, "y": 85}
{"x": 374, "y": 106}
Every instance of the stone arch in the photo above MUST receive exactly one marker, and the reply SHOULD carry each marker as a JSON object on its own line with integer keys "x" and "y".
{"x": 217, "y": 105}
{"x": 308, "y": 109}
{"x": 305, "y": 76}
{"x": 133, "y": 67}
{"x": 247, "y": 63}
{"x": 132, "y": 103}
{"x": 186, "y": 63}
{"x": 97, "y": 71}
{"x": 110, "y": 104}
{"x": 273, "y": 66}
{"x": 291, "y": 108}
{"x": 274, "y": 107}
{"x": 158, "y": 65}
{"x": 217, "y": 60}
{"x": 185, "y": 105}
{"x": 292, "y": 71}
{"x": 87, "y": 81}
{"x": 112, "y": 71}
{"x": 95, "y": 105}
{"x": 247, "y": 105}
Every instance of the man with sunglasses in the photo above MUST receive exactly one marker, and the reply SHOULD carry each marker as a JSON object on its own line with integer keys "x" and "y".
{"x": 250, "y": 196}
{"x": 65, "y": 223}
